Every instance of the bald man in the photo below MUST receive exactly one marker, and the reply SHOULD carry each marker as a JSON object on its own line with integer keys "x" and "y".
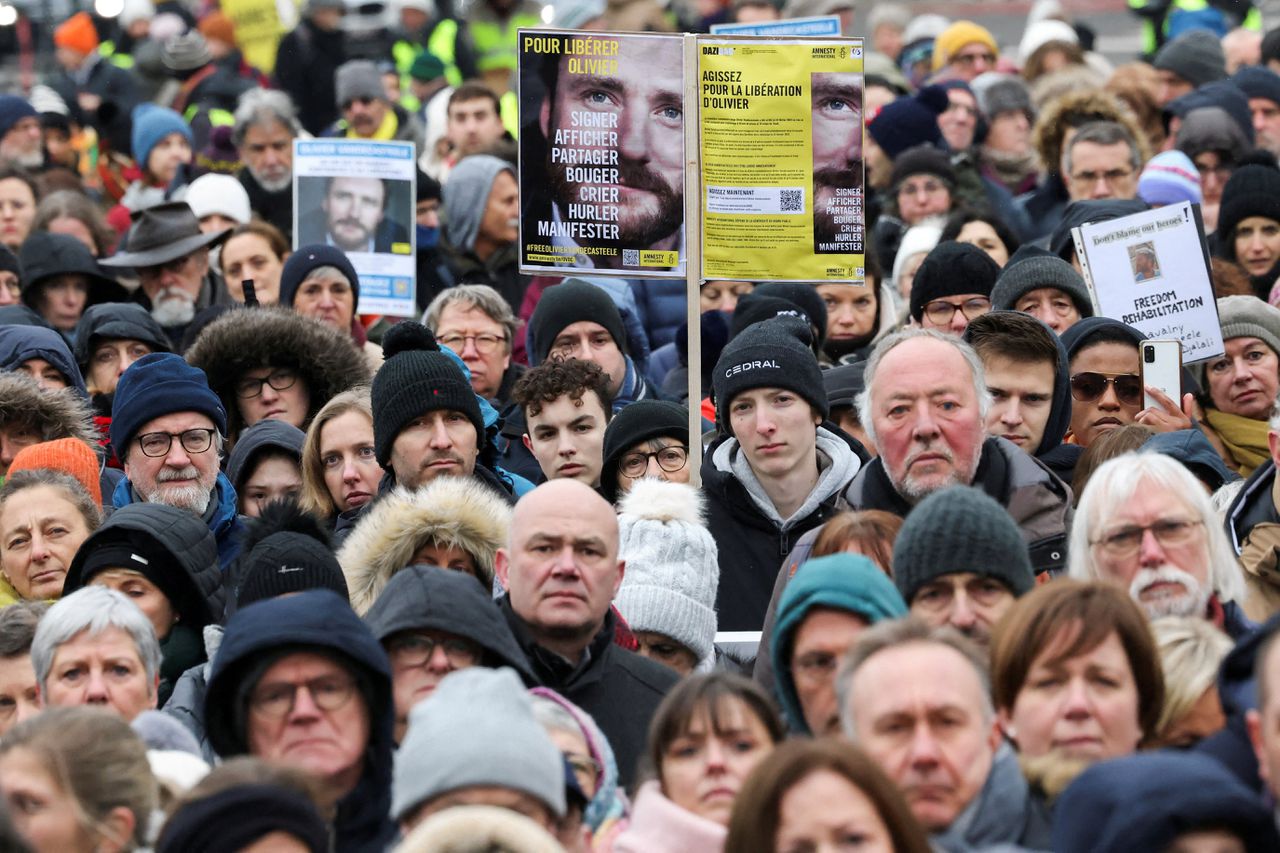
{"x": 561, "y": 571}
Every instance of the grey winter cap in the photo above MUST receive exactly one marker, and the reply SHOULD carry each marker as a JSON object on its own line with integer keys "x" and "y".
{"x": 1035, "y": 271}
{"x": 1195, "y": 56}
{"x": 186, "y": 52}
{"x": 960, "y": 529}
{"x": 1002, "y": 93}
{"x": 1249, "y": 317}
{"x": 358, "y": 79}
{"x": 477, "y": 728}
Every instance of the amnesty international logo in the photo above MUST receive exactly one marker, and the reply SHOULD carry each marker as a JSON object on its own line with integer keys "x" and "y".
{"x": 844, "y": 53}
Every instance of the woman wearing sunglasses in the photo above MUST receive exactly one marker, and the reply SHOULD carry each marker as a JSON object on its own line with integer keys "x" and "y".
{"x": 1106, "y": 385}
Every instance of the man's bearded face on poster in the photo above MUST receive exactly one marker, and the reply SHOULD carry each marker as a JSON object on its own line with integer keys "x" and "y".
{"x": 837, "y": 143}
{"x": 636, "y": 112}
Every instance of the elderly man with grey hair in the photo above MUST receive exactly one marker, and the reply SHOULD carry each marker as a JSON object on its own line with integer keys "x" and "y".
{"x": 917, "y": 700}
{"x": 924, "y": 407}
{"x": 1145, "y": 522}
{"x": 266, "y": 123}
{"x": 95, "y": 647}
{"x": 475, "y": 321}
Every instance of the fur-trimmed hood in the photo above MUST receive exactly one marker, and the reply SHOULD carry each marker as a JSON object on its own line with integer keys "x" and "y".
{"x": 453, "y": 511}
{"x": 55, "y": 414}
{"x": 244, "y": 339}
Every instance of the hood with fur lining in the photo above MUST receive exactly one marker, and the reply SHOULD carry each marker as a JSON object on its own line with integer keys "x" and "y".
{"x": 457, "y": 512}
{"x": 245, "y": 339}
{"x": 54, "y": 414}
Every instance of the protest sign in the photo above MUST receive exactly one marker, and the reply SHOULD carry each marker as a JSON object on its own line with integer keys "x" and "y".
{"x": 819, "y": 25}
{"x": 359, "y": 195}
{"x": 602, "y": 153}
{"x": 1150, "y": 270}
{"x": 781, "y": 154}
{"x": 258, "y": 28}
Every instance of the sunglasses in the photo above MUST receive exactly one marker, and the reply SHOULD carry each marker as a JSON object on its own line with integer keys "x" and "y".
{"x": 1088, "y": 387}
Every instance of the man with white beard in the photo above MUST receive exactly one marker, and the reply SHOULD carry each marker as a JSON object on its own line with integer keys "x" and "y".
{"x": 1145, "y": 522}
{"x": 266, "y": 125}
{"x": 21, "y": 139}
{"x": 169, "y": 429}
{"x": 170, "y": 255}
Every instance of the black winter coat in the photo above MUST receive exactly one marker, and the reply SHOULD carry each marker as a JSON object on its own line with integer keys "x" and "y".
{"x": 618, "y": 688}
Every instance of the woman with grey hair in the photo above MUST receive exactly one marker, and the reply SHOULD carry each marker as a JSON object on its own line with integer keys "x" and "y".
{"x": 95, "y": 647}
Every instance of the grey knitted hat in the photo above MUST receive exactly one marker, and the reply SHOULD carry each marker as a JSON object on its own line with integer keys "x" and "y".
{"x": 673, "y": 567}
{"x": 358, "y": 79}
{"x": 1035, "y": 271}
{"x": 960, "y": 529}
{"x": 477, "y": 728}
{"x": 1249, "y": 317}
{"x": 1003, "y": 93}
{"x": 1195, "y": 56}
{"x": 185, "y": 52}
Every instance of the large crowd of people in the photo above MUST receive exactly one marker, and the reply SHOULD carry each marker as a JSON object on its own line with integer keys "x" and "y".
{"x": 938, "y": 573}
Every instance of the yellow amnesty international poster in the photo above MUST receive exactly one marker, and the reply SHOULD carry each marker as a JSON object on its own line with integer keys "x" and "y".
{"x": 781, "y": 144}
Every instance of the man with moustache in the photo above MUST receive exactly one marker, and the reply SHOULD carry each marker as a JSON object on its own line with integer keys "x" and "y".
{"x": 630, "y": 122}
{"x": 352, "y": 217}
{"x": 925, "y": 407}
{"x": 266, "y": 125}
{"x": 837, "y": 158}
{"x": 1145, "y": 523}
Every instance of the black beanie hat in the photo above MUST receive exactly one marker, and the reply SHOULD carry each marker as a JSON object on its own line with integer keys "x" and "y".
{"x": 9, "y": 262}
{"x": 960, "y": 529}
{"x": 952, "y": 269}
{"x": 1251, "y": 190}
{"x": 802, "y": 293}
{"x": 770, "y": 354}
{"x": 287, "y": 550}
{"x": 235, "y": 818}
{"x": 417, "y": 378}
{"x": 637, "y": 422}
{"x": 562, "y": 305}
{"x": 754, "y": 308}
{"x": 923, "y": 160}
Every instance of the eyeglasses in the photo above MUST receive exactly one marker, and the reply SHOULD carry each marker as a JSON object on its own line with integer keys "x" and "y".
{"x": 414, "y": 650}
{"x": 248, "y": 388}
{"x": 1221, "y": 171}
{"x": 940, "y": 311}
{"x": 1169, "y": 532}
{"x": 670, "y": 459}
{"x": 176, "y": 266}
{"x": 157, "y": 444}
{"x": 815, "y": 666}
{"x": 1111, "y": 177}
{"x": 925, "y": 187}
{"x": 970, "y": 58}
{"x": 484, "y": 344}
{"x": 1088, "y": 387}
{"x": 277, "y": 701}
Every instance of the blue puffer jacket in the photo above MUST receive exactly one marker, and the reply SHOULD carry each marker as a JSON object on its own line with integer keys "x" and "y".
{"x": 662, "y": 309}
{"x": 223, "y": 519}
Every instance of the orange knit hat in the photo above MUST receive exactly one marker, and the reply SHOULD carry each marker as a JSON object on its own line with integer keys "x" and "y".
{"x": 77, "y": 33}
{"x": 68, "y": 455}
{"x": 216, "y": 26}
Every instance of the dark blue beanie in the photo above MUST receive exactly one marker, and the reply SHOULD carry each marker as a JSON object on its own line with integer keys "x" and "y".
{"x": 13, "y": 110}
{"x": 910, "y": 121}
{"x": 308, "y": 258}
{"x": 156, "y": 385}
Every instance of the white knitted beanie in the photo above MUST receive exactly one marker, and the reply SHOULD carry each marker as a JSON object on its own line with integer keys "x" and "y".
{"x": 672, "y": 567}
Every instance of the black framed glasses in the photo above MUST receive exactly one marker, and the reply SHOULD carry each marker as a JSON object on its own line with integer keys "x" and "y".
{"x": 414, "y": 650}
{"x": 940, "y": 311}
{"x": 670, "y": 459}
{"x": 1088, "y": 387}
{"x": 279, "y": 379}
{"x": 156, "y": 444}
{"x": 276, "y": 701}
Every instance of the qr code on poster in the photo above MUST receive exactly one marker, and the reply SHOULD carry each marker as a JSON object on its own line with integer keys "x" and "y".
{"x": 631, "y": 257}
{"x": 791, "y": 201}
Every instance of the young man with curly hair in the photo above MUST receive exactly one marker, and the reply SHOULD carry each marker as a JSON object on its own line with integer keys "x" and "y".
{"x": 566, "y": 408}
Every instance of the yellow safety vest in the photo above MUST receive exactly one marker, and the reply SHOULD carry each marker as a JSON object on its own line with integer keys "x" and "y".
{"x": 496, "y": 43}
